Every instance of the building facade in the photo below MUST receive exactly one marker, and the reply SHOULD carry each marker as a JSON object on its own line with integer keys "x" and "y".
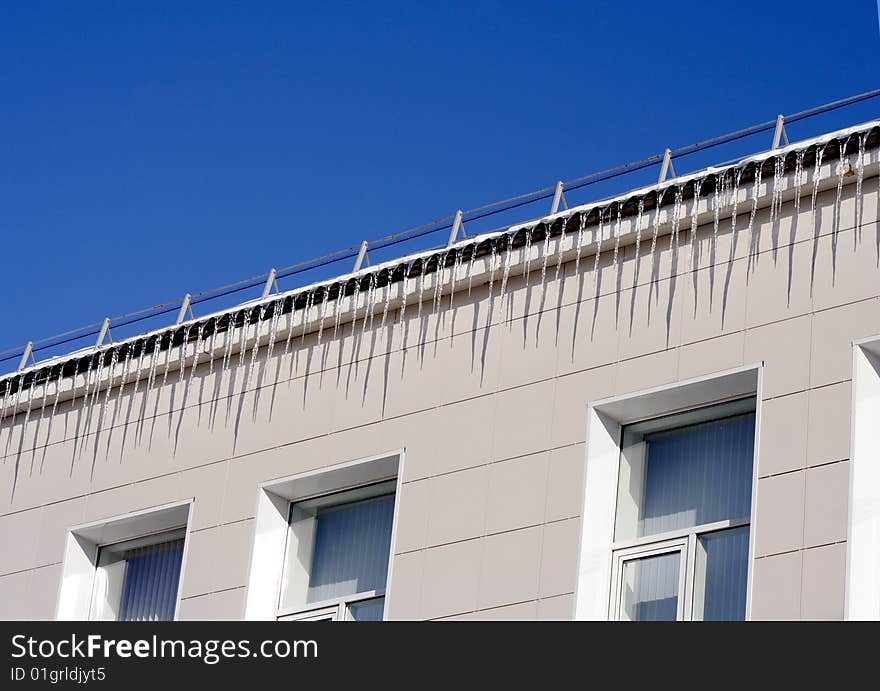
{"x": 665, "y": 405}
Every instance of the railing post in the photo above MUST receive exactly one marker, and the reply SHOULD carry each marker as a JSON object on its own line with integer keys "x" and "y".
{"x": 558, "y": 197}
{"x": 456, "y": 227}
{"x": 184, "y": 308}
{"x": 666, "y": 166}
{"x": 362, "y": 255}
{"x": 779, "y": 133}
{"x": 269, "y": 283}
{"x": 28, "y": 353}
{"x": 105, "y": 329}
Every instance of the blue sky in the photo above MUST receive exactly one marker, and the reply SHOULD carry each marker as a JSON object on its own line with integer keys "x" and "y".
{"x": 153, "y": 149}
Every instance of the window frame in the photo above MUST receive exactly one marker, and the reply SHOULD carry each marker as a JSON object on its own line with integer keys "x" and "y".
{"x": 604, "y": 421}
{"x": 79, "y": 570}
{"x": 274, "y": 497}
{"x": 341, "y": 605}
{"x": 683, "y": 539}
{"x": 146, "y": 540}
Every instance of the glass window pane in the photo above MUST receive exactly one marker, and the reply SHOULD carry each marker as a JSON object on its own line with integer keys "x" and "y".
{"x": 649, "y": 588}
{"x": 140, "y": 583}
{"x": 351, "y": 548}
{"x": 685, "y": 477}
{"x": 367, "y": 610}
{"x": 722, "y": 572}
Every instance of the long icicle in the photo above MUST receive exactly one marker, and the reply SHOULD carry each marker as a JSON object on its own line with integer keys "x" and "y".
{"x": 817, "y": 172}
{"x": 580, "y": 242}
{"x": 676, "y": 217}
{"x": 756, "y": 193}
{"x": 600, "y": 232}
{"x": 337, "y": 309}
{"x": 695, "y": 213}
{"x": 835, "y": 225}
{"x": 560, "y": 247}
{"x": 324, "y": 298}
{"x": 860, "y": 178}
{"x": 617, "y": 234}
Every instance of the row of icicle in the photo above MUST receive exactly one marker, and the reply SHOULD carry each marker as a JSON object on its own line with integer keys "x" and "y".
{"x": 132, "y": 370}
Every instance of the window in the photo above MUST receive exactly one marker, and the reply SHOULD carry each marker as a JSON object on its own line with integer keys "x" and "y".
{"x": 681, "y": 529}
{"x": 125, "y": 568}
{"x": 337, "y": 552}
{"x": 863, "y": 535}
{"x": 137, "y": 580}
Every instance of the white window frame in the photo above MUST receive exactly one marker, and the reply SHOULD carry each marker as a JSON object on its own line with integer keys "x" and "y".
{"x": 863, "y": 539}
{"x": 147, "y": 540}
{"x": 605, "y": 421}
{"x": 343, "y": 603}
{"x": 274, "y": 499}
{"x": 79, "y": 568}
{"x": 624, "y": 555}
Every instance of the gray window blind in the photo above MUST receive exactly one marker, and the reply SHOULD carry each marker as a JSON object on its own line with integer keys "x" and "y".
{"x": 352, "y": 543}
{"x": 152, "y": 573}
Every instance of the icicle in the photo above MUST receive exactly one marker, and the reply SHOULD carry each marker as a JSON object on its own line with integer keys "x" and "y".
{"x": 273, "y": 328}
{"x": 617, "y": 233}
{"x": 57, "y": 398}
{"x": 95, "y": 392}
{"x": 676, "y": 217}
{"x": 307, "y": 313}
{"x": 181, "y": 355}
{"x": 324, "y": 298}
{"x": 386, "y": 300}
{"x": 470, "y": 273}
{"x": 14, "y": 411}
{"x": 528, "y": 254}
{"x": 756, "y": 192}
{"x": 254, "y": 351}
{"x": 860, "y": 177}
{"x": 27, "y": 415}
{"x": 230, "y": 339}
{"x": 125, "y": 368}
{"x": 167, "y": 359}
{"x": 835, "y": 226}
{"x": 404, "y": 281}
{"x": 735, "y": 199}
{"x": 354, "y": 304}
{"x": 154, "y": 363}
{"x": 438, "y": 282}
{"x": 492, "y": 261}
{"x": 546, "y": 256}
{"x": 656, "y": 228}
{"x": 456, "y": 265}
{"x": 718, "y": 202}
{"x": 114, "y": 359}
{"x": 195, "y": 363}
{"x": 695, "y": 213}
{"x": 580, "y": 242}
{"x": 6, "y": 401}
{"x": 43, "y": 401}
{"x": 560, "y": 247}
{"x": 337, "y": 309}
{"x": 776, "y": 199}
{"x": 368, "y": 303}
{"x": 242, "y": 336}
{"x": 506, "y": 272}
{"x": 290, "y": 316}
{"x": 140, "y": 363}
{"x": 798, "y": 179}
{"x": 639, "y": 214}
{"x": 422, "y": 275}
{"x": 600, "y": 231}
{"x": 817, "y": 171}
{"x": 88, "y": 386}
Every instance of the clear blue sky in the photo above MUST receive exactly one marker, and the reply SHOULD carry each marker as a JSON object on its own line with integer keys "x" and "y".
{"x": 153, "y": 149}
